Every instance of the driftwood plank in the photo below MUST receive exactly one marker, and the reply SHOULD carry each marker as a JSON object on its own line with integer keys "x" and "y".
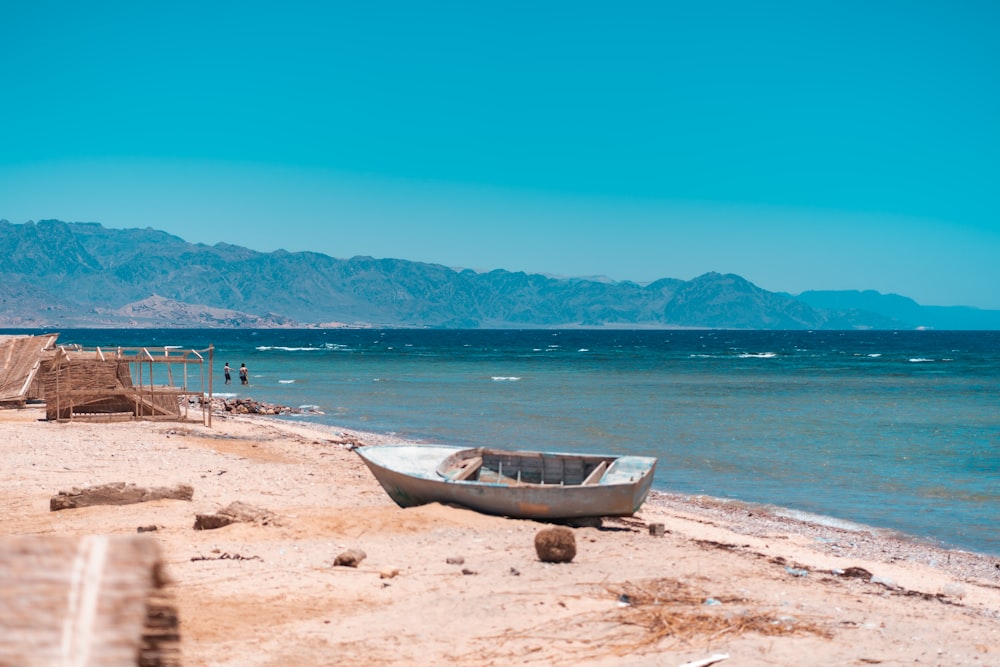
{"x": 236, "y": 512}
{"x": 117, "y": 493}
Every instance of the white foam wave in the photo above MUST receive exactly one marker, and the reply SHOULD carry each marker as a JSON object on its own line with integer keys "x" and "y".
{"x": 337, "y": 347}
{"x": 584, "y": 349}
{"x": 286, "y": 381}
{"x": 758, "y": 355}
{"x": 505, "y": 378}
{"x": 920, "y": 360}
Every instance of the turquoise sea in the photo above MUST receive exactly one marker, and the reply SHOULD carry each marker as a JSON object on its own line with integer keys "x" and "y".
{"x": 895, "y": 430}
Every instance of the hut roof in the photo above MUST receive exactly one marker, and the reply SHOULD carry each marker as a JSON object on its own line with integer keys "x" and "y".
{"x": 20, "y": 359}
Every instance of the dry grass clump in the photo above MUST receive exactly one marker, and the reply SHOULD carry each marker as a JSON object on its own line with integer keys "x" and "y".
{"x": 670, "y": 609}
{"x": 656, "y": 614}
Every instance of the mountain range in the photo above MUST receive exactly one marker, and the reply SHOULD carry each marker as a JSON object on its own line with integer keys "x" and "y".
{"x": 57, "y": 274}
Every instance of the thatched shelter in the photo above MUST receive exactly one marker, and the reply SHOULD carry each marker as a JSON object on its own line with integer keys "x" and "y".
{"x": 21, "y": 360}
{"x": 127, "y": 383}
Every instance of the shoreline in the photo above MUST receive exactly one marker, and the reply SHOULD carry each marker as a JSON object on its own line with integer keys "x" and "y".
{"x": 268, "y": 594}
{"x": 776, "y": 516}
{"x": 858, "y": 541}
{"x": 829, "y": 535}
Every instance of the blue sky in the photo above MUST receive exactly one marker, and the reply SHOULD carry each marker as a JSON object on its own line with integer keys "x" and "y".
{"x": 802, "y": 145}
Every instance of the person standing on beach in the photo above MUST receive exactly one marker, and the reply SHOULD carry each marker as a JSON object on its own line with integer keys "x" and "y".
{"x": 244, "y": 374}
{"x": 229, "y": 379}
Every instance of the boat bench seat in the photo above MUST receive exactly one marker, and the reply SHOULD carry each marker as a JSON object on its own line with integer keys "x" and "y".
{"x": 596, "y": 474}
{"x": 468, "y": 468}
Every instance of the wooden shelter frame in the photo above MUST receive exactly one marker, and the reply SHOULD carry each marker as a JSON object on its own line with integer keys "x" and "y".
{"x": 134, "y": 394}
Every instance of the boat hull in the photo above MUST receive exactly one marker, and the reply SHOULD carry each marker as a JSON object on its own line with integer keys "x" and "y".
{"x": 409, "y": 474}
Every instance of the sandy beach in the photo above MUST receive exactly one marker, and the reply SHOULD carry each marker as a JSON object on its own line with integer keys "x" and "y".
{"x": 445, "y": 585}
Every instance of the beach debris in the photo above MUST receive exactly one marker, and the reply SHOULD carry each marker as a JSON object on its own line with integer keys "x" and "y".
{"x": 348, "y": 441}
{"x": 117, "y": 493}
{"x": 388, "y": 572}
{"x": 235, "y": 512}
{"x": 350, "y": 558}
{"x": 466, "y": 571}
{"x": 726, "y": 546}
{"x": 631, "y": 523}
{"x": 226, "y": 556}
{"x": 953, "y": 590}
{"x": 705, "y": 662}
{"x": 857, "y": 573}
{"x": 796, "y": 571}
{"x": 555, "y": 545}
{"x": 666, "y": 614}
{"x": 668, "y": 608}
{"x": 147, "y": 529}
{"x": 211, "y": 521}
{"x": 657, "y": 529}
{"x": 454, "y": 560}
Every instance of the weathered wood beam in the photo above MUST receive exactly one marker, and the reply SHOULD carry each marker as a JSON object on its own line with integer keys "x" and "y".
{"x": 117, "y": 493}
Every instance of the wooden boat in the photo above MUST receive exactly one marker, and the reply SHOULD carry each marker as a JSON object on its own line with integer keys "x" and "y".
{"x": 518, "y": 484}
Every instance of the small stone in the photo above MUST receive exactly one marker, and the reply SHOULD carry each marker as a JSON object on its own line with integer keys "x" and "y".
{"x": 388, "y": 572}
{"x": 555, "y": 545}
{"x": 953, "y": 590}
{"x": 455, "y": 560}
{"x": 657, "y": 529}
{"x": 211, "y": 521}
{"x": 350, "y": 558}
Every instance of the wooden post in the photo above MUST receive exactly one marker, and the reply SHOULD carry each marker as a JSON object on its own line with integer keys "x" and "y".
{"x": 211, "y": 378}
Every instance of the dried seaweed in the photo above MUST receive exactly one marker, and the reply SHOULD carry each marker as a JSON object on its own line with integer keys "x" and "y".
{"x": 662, "y": 614}
{"x": 667, "y": 608}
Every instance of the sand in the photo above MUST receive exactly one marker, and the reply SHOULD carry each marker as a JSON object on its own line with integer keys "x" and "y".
{"x": 446, "y": 585}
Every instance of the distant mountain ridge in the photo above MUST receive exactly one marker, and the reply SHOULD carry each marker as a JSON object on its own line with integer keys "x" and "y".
{"x": 56, "y": 274}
